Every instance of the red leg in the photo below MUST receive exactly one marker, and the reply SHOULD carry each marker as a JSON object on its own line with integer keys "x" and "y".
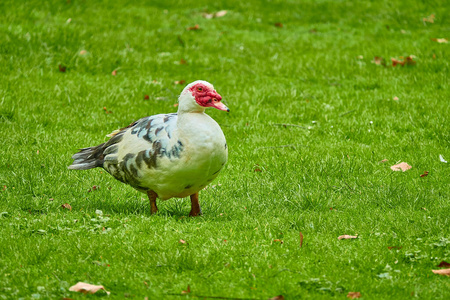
{"x": 195, "y": 206}
{"x": 152, "y": 197}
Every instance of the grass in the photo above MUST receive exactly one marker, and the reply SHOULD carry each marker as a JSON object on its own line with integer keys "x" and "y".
{"x": 316, "y": 71}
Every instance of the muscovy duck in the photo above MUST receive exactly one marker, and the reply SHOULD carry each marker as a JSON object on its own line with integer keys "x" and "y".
{"x": 166, "y": 155}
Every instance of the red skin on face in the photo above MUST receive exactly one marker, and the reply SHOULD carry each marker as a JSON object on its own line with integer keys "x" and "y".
{"x": 205, "y": 96}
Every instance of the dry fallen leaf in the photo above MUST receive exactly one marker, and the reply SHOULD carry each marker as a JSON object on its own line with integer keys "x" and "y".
{"x": 62, "y": 68}
{"x": 114, "y": 73}
{"x": 175, "y": 105}
{"x": 346, "y": 237}
{"x": 354, "y": 295}
{"x": 406, "y": 61}
{"x": 146, "y": 97}
{"x": 220, "y": 13}
{"x": 444, "y": 264}
{"x": 279, "y": 297}
{"x": 424, "y": 174}
{"x": 196, "y": 27}
{"x": 379, "y": 61}
{"x": 182, "y": 241}
{"x": 301, "y": 239}
{"x": 279, "y": 25}
{"x": 87, "y": 288}
{"x": 401, "y": 167}
{"x": 106, "y": 111}
{"x": 441, "y": 41}
{"x": 383, "y": 161}
{"x": 395, "y": 98}
{"x": 444, "y": 272}
{"x": 208, "y": 16}
{"x": 278, "y": 241}
{"x": 180, "y": 82}
{"x": 187, "y": 291}
{"x": 183, "y": 62}
{"x": 67, "y": 206}
{"x": 429, "y": 19}
{"x": 83, "y": 52}
{"x": 395, "y": 247}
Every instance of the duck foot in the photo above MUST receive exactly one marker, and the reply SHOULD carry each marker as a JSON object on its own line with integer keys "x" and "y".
{"x": 152, "y": 197}
{"x": 195, "y": 206}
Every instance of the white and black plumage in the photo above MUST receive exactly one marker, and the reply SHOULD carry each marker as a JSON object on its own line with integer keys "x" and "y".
{"x": 166, "y": 155}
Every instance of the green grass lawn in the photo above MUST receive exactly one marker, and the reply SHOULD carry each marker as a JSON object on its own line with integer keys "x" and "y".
{"x": 316, "y": 72}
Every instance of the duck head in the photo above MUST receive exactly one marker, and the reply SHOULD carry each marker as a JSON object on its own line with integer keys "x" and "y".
{"x": 199, "y": 95}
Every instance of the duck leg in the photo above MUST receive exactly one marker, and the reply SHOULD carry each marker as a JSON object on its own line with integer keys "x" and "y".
{"x": 195, "y": 206}
{"x": 152, "y": 197}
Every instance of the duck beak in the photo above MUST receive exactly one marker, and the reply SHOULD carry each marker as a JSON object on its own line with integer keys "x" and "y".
{"x": 220, "y": 106}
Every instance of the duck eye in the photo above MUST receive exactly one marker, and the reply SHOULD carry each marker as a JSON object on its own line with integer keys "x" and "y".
{"x": 199, "y": 89}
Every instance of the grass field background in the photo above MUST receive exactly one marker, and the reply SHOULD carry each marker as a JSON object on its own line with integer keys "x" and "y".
{"x": 316, "y": 71}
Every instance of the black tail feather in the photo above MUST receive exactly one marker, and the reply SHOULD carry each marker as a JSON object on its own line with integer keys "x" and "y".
{"x": 88, "y": 158}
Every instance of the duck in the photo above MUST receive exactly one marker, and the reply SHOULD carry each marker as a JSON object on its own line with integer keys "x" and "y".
{"x": 166, "y": 156}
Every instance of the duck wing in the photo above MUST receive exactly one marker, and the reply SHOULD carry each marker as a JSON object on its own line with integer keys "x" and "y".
{"x": 141, "y": 145}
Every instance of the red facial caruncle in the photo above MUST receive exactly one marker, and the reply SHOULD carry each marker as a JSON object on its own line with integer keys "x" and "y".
{"x": 207, "y": 97}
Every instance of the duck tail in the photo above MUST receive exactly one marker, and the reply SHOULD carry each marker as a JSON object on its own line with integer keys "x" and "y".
{"x": 88, "y": 158}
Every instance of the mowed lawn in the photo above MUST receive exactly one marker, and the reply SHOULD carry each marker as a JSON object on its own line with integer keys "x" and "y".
{"x": 310, "y": 64}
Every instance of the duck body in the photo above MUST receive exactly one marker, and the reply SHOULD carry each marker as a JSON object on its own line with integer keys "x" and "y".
{"x": 165, "y": 155}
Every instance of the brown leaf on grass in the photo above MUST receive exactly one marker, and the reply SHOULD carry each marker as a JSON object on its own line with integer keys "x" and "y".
{"x": 279, "y": 25}
{"x": 395, "y": 98}
{"x": 278, "y": 241}
{"x": 67, "y": 206}
{"x": 87, "y": 288}
{"x": 383, "y": 161}
{"x": 183, "y": 62}
{"x": 346, "y": 237}
{"x": 146, "y": 97}
{"x": 444, "y": 264}
{"x": 424, "y": 174}
{"x": 279, "y": 297}
{"x": 354, "y": 295}
{"x": 107, "y": 111}
{"x": 196, "y": 27}
{"x": 301, "y": 239}
{"x": 441, "y": 41}
{"x": 175, "y": 105}
{"x": 187, "y": 291}
{"x": 379, "y": 61}
{"x": 62, "y": 68}
{"x": 406, "y": 61}
{"x": 401, "y": 167}
{"x": 96, "y": 187}
{"x": 180, "y": 82}
{"x": 114, "y": 73}
{"x": 83, "y": 52}
{"x": 395, "y": 247}
{"x": 443, "y": 272}
{"x": 181, "y": 241}
{"x": 429, "y": 19}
